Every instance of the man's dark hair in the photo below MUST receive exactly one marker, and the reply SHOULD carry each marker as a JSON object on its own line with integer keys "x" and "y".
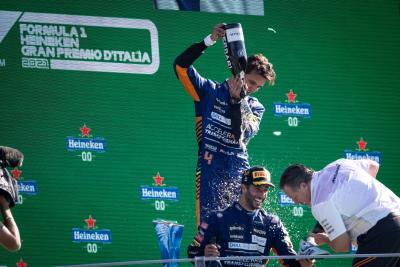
{"x": 10, "y": 157}
{"x": 294, "y": 175}
{"x": 260, "y": 64}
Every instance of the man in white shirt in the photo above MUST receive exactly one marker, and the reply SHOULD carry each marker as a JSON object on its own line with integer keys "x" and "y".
{"x": 351, "y": 205}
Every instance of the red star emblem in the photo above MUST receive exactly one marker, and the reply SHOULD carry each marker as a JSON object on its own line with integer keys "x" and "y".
{"x": 21, "y": 263}
{"x": 362, "y": 144}
{"x": 85, "y": 130}
{"x": 16, "y": 173}
{"x": 158, "y": 179}
{"x": 291, "y": 96}
{"x": 90, "y": 222}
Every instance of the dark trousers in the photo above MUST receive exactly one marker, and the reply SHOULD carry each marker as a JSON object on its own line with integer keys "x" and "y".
{"x": 384, "y": 237}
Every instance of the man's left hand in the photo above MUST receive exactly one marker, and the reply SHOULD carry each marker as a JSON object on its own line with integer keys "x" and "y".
{"x": 235, "y": 86}
{"x": 307, "y": 263}
{"x": 320, "y": 238}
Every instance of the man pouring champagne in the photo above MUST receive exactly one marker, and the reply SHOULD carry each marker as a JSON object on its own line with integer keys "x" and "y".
{"x": 226, "y": 120}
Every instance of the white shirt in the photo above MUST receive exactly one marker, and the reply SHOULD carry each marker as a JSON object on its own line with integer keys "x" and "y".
{"x": 346, "y": 198}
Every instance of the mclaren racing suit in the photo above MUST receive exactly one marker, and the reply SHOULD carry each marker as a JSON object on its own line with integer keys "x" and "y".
{"x": 243, "y": 233}
{"x": 223, "y": 129}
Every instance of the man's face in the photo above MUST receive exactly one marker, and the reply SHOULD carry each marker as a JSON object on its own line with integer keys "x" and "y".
{"x": 255, "y": 196}
{"x": 254, "y": 82}
{"x": 301, "y": 195}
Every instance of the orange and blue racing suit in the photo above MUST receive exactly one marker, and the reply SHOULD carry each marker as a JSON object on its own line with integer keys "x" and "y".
{"x": 223, "y": 129}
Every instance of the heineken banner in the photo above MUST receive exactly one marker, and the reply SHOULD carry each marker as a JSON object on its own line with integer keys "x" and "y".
{"x": 89, "y": 95}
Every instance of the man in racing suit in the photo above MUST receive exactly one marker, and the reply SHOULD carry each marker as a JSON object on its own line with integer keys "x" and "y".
{"x": 224, "y": 123}
{"x": 244, "y": 228}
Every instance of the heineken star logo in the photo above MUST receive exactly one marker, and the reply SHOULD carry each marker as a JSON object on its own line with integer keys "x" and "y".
{"x": 362, "y": 144}
{"x": 16, "y": 173}
{"x": 90, "y": 222}
{"x": 291, "y": 96}
{"x": 21, "y": 263}
{"x": 85, "y": 130}
{"x": 361, "y": 152}
{"x": 158, "y": 179}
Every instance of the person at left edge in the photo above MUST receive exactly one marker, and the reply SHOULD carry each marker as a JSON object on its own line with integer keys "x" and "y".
{"x": 9, "y": 232}
{"x": 245, "y": 228}
{"x": 224, "y": 123}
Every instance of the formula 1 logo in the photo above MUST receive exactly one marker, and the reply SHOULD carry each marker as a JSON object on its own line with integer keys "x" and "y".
{"x": 159, "y": 192}
{"x": 91, "y": 235}
{"x": 83, "y": 43}
{"x": 86, "y": 143}
{"x": 362, "y": 152}
{"x": 292, "y": 109}
{"x": 25, "y": 188}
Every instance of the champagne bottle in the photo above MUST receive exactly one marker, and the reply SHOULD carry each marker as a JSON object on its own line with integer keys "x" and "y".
{"x": 235, "y": 50}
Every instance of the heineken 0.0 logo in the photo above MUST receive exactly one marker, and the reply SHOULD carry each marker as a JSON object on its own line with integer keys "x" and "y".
{"x": 86, "y": 144}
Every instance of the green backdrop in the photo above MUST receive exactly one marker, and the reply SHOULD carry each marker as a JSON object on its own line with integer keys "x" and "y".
{"x": 339, "y": 57}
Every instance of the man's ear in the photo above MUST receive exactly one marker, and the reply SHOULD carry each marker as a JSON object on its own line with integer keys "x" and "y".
{"x": 303, "y": 185}
{"x": 243, "y": 187}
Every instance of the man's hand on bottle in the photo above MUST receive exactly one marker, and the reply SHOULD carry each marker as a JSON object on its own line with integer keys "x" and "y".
{"x": 211, "y": 250}
{"x": 235, "y": 86}
{"x": 218, "y": 32}
{"x": 320, "y": 238}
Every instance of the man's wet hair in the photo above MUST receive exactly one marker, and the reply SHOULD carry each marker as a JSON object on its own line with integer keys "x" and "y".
{"x": 294, "y": 175}
{"x": 260, "y": 64}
